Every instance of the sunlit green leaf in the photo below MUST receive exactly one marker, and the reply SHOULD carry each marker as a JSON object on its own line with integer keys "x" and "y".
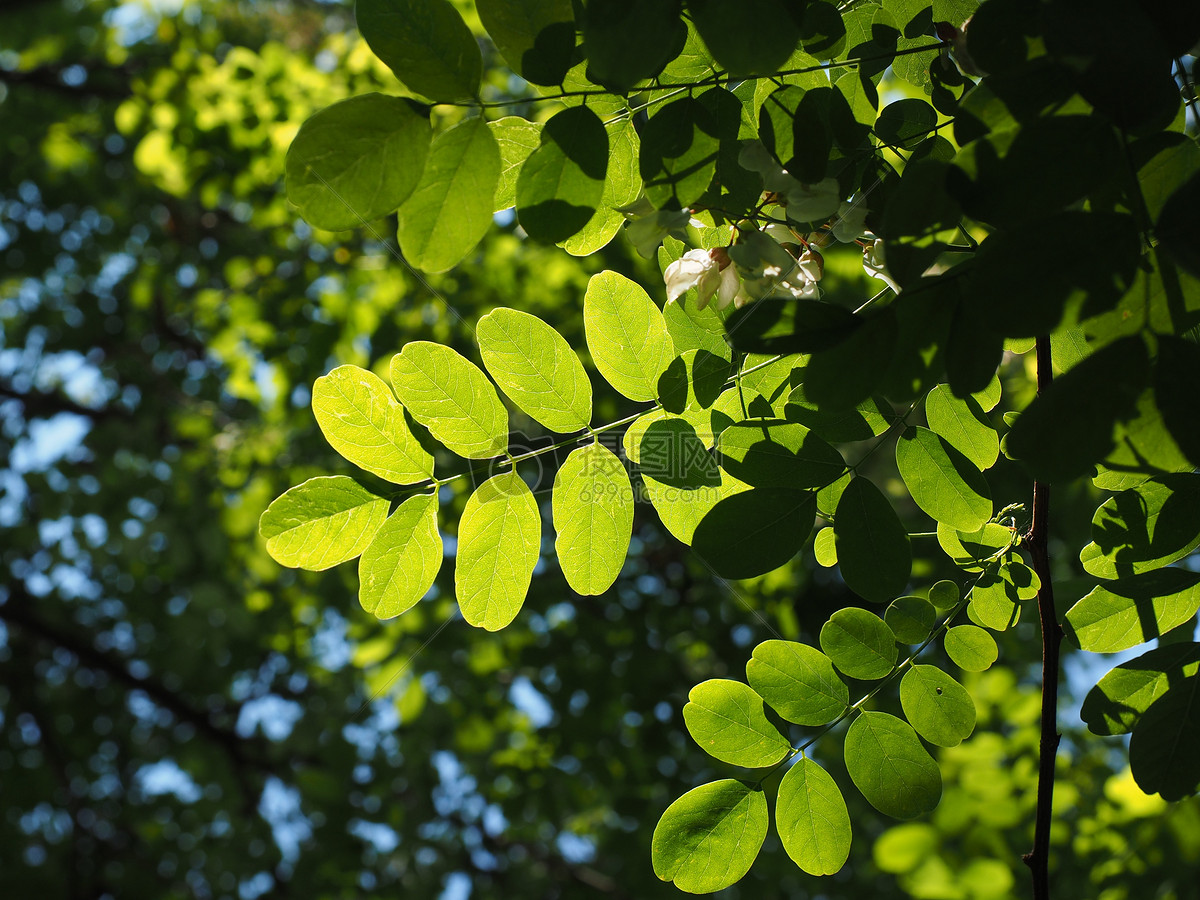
{"x": 774, "y": 453}
{"x": 562, "y": 182}
{"x": 970, "y": 648}
{"x": 536, "y": 368}
{"x": 593, "y": 516}
{"x": 499, "y": 538}
{"x": 859, "y": 643}
{"x": 726, "y": 719}
{"x": 825, "y": 547}
{"x": 363, "y": 422}
{"x": 709, "y": 837}
{"x": 937, "y": 706}
{"x": 357, "y": 160}
{"x": 891, "y": 768}
{"x": 451, "y": 208}
{"x": 994, "y": 603}
{"x": 1121, "y": 614}
{"x": 425, "y": 43}
{"x": 1145, "y": 528}
{"x": 798, "y": 681}
{"x": 910, "y": 618}
{"x": 943, "y": 482}
{"x": 536, "y": 37}
{"x": 399, "y": 565}
{"x": 322, "y": 522}
{"x": 961, "y": 423}
{"x": 812, "y": 819}
{"x": 622, "y": 185}
{"x": 626, "y": 335}
{"x": 972, "y": 551}
{"x": 452, "y": 398}
{"x": 1116, "y": 704}
{"x": 516, "y": 138}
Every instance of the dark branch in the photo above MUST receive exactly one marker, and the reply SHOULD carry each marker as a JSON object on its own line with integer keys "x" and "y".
{"x": 39, "y": 405}
{"x": 1037, "y": 539}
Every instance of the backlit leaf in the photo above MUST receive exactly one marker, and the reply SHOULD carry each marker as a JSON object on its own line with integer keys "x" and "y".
{"x": 622, "y": 185}
{"x": 937, "y": 706}
{"x": 626, "y": 335}
{"x": 322, "y": 522}
{"x": 562, "y": 182}
{"x": 859, "y": 643}
{"x": 1121, "y": 614}
{"x": 943, "y": 482}
{"x": 499, "y": 538}
{"x": 726, "y": 719}
{"x": 452, "y": 398}
{"x": 536, "y": 368}
{"x": 593, "y": 517}
{"x": 401, "y": 562}
{"x": 1145, "y": 528}
{"x": 1115, "y": 705}
{"x": 798, "y": 681}
{"x": 910, "y": 618}
{"x": 775, "y": 453}
{"x": 961, "y": 423}
{"x": 516, "y": 138}
{"x": 872, "y": 546}
{"x": 425, "y": 43}
{"x": 709, "y": 837}
{"x": 970, "y": 648}
{"x": 755, "y": 531}
{"x": 363, "y": 422}
{"x": 812, "y": 819}
{"x": 891, "y": 768}
{"x": 536, "y": 37}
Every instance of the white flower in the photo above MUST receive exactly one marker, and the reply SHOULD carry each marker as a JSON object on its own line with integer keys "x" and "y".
{"x": 875, "y": 265}
{"x": 757, "y": 158}
{"x": 767, "y": 269}
{"x": 851, "y": 221}
{"x": 648, "y": 226}
{"x": 708, "y": 271}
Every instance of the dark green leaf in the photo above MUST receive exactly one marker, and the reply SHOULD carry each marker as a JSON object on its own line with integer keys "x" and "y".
{"x": 425, "y": 43}
{"x": 847, "y": 374}
{"x": 678, "y": 157}
{"x": 536, "y": 37}
{"x": 562, "y": 182}
{"x": 904, "y": 123}
{"x": 891, "y": 768}
{"x": 1177, "y": 392}
{"x": 755, "y": 532}
{"x": 627, "y": 41}
{"x": 772, "y": 453}
{"x": 1162, "y": 748}
{"x": 859, "y": 643}
{"x": 872, "y": 545}
{"x": 736, "y": 36}
{"x": 1115, "y": 705}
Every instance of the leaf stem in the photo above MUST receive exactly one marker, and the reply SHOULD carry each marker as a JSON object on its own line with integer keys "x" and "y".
{"x": 1037, "y": 540}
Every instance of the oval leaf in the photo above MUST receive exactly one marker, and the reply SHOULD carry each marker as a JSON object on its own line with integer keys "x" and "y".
{"x": 771, "y": 453}
{"x": 451, "y": 207}
{"x": 451, "y": 397}
{"x": 726, "y": 719}
{"x": 813, "y": 822}
{"x": 362, "y": 421}
{"x": 536, "y": 37}
{"x": 937, "y": 706}
{"x": 709, "y": 837}
{"x": 1130, "y": 611}
{"x": 872, "y": 546}
{"x": 970, "y": 648}
{"x": 1162, "y": 748}
{"x": 910, "y": 618}
{"x": 962, "y": 424}
{"x": 516, "y": 138}
{"x": 755, "y": 532}
{"x": 356, "y": 160}
{"x": 425, "y": 43}
{"x": 1145, "y": 528}
{"x": 399, "y": 566}
{"x": 622, "y": 185}
{"x": 321, "y": 523}
{"x": 593, "y": 516}
{"x": 536, "y": 368}
{"x": 562, "y": 182}
{"x": 499, "y": 537}
{"x": 1115, "y": 705}
{"x": 943, "y": 482}
{"x": 859, "y": 643}
{"x": 626, "y": 335}
{"x": 798, "y": 681}
{"x": 891, "y": 768}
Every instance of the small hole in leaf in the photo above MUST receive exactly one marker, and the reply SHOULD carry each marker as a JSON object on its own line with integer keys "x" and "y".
{"x": 939, "y": 690}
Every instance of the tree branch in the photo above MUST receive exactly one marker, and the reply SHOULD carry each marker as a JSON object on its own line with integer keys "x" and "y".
{"x": 1037, "y": 538}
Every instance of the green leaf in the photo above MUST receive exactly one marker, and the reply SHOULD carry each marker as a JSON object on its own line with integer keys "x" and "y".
{"x": 363, "y": 422}
{"x": 910, "y": 618}
{"x": 812, "y": 819}
{"x": 681, "y": 509}
{"x": 451, "y": 397}
{"x": 1145, "y": 528}
{"x": 626, "y": 335}
{"x": 516, "y": 138}
{"x": 1069, "y": 427}
{"x": 973, "y": 551}
{"x": 1121, "y": 614}
{"x": 628, "y": 42}
{"x": 562, "y": 182}
{"x": 536, "y": 368}
{"x": 357, "y": 160}
{"x": 1115, "y": 705}
{"x": 755, "y": 532}
{"x": 451, "y": 208}
{"x": 798, "y": 681}
{"x": 905, "y": 123}
{"x": 1176, "y": 385}
{"x": 1178, "y": 228}
{"x": 693, "y": 381}
{"x": 499, "y": 538}
{"x": 943, "y": 482}
{"x": 1162, "y": 748}
{"x": 970, "y": 648}
{"x": 891, "y": 768}
{"x": 322, "y": 522}
{"x": 736, "y": 36}
{"x": 773, "y": 453}
{"x": 622, "y": 185}
{"x": 709, "y": 837}
{"x": 593, "y": 516}
{"x": 937, "y": 706}
{"x": 994, "y": 603}
{"x": 401, "y": 562}
{"x": 846, "y": 375}
{"x": 678, "y": 156}
{"x": 726, "y": 719}
{"x": 962, "y": 424}
{"x": 535, "y": 37}
{"x": 859, "y": 643}
{"x": 672, "y": 452}
{"x": 825, "y": 548}
{"x": 425, "y": 43}
{"x": 872, "y": 546}
{"x": 869, "y": 419}
{"x": 944, "y": 594}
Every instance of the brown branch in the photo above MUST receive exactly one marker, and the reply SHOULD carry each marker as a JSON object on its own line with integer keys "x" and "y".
{"x": 1037, "y": 539}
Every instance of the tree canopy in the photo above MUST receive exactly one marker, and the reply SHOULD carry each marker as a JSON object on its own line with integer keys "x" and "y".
{"x": 599, "y": 448}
